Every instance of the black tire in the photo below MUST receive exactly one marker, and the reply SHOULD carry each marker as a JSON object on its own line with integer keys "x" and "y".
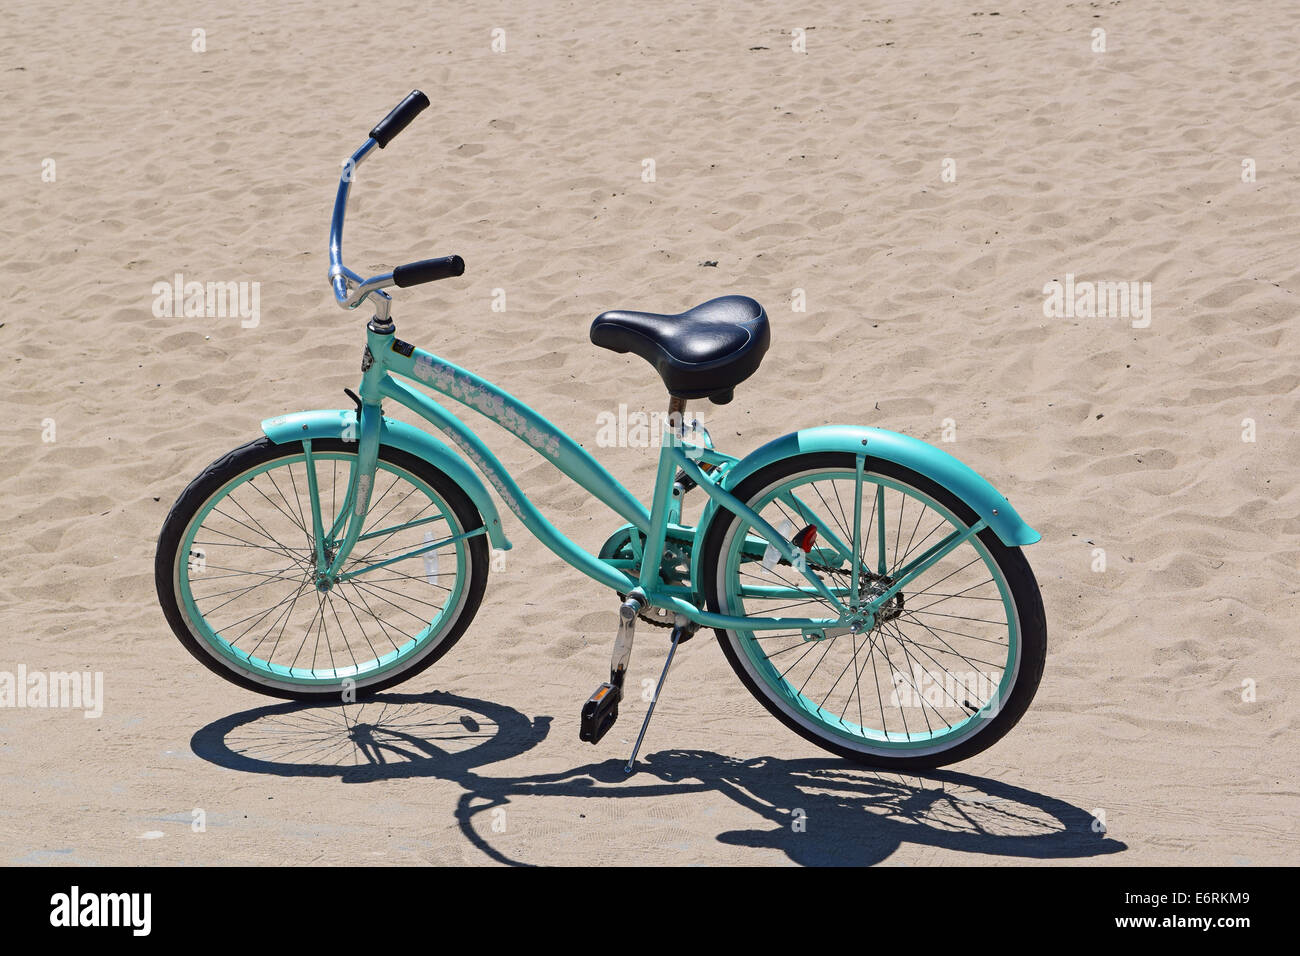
{"x": 216, "y": 476}
{"x": 1010, "y": 560}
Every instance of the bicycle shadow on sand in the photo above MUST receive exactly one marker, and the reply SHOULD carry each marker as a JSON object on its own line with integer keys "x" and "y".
{"x": 818, "y": 811}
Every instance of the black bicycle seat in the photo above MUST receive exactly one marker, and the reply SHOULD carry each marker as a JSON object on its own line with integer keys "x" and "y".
{"x": 704, "y": 352}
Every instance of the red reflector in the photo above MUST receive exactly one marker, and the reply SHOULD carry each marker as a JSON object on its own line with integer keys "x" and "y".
{"x": 805, "y": 539}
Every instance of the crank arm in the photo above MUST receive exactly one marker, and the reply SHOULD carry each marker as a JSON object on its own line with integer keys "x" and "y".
{"x": 601, "y": 708}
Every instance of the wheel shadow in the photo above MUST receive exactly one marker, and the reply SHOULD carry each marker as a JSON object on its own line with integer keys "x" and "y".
{"x": 818, "y": 811}
{"x": 385, "y": 737}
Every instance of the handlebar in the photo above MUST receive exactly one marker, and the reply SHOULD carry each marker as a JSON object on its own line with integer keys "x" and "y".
{"x": 428, "y": 270}
{"x": 399, "y": 118}
{"x": 349, "y": 288}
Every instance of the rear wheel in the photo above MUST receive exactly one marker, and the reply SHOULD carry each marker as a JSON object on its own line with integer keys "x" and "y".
{"x": 236, "y": 570}
{"x": 948, "y": 665}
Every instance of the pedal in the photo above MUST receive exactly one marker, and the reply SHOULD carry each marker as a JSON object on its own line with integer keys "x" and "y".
{"x": 601, "y": 709}
{"x": 599, "y": 712}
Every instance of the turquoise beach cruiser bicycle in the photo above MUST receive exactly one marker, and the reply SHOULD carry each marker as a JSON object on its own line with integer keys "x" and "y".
{"x": 869, "y": 589}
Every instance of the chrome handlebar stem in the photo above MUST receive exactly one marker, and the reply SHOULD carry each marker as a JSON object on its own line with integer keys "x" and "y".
{"x": 349, "y": 288}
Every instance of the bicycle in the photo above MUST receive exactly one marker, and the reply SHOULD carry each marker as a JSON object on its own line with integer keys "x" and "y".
{"x": 344, "y": 551}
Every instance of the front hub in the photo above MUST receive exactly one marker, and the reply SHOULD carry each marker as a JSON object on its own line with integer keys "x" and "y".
{"x": 323, "y": 580}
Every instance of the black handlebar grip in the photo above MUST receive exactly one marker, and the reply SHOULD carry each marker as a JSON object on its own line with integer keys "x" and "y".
{"x": 399, "y": 118}
{"x": 428, "y": 270}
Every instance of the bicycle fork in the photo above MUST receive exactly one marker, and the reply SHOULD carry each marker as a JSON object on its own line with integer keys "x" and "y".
{"x": 331, "y": 551}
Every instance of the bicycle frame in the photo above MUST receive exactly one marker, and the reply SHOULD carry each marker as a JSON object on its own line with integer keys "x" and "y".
{"x": 388, "y": 359}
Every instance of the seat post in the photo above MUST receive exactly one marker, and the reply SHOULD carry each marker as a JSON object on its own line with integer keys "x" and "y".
{"x": 676, "y": 413}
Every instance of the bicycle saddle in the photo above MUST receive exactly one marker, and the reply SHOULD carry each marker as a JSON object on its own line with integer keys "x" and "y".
{"x": 704, "y": 352}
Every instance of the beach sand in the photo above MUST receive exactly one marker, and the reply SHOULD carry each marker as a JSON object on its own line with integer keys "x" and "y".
{"x": 1168, "y": 706}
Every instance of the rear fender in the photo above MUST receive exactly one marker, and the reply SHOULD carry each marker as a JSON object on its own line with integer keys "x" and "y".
{"x": 937, "y": 465}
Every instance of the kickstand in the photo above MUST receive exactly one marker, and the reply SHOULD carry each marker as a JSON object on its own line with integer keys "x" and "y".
{"x": 680, "y": 633}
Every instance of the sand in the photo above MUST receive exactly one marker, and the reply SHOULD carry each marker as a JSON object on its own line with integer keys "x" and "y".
{"x": 821, "y": 171}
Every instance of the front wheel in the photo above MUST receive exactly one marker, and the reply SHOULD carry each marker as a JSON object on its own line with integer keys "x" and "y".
{"x": 236, "y": 569}
{"x": 947, "y": 666}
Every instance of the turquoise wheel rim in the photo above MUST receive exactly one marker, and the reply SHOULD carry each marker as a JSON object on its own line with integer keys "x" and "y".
{"x": 924, "y": 707}
{"x": 363, "y": 630}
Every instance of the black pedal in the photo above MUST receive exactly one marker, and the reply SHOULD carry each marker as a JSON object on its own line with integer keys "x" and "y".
{"x": 599, "y": 712}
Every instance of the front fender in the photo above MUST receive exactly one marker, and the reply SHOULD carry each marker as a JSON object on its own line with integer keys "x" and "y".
{"x": 342, "y": 423}
{"x": 923, "y": 458}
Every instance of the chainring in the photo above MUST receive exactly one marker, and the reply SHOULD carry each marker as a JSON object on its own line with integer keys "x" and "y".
{"x": 675, "y": 569}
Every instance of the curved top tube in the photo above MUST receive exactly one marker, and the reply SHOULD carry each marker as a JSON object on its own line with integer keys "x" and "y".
{"x": 391, "y": 355}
